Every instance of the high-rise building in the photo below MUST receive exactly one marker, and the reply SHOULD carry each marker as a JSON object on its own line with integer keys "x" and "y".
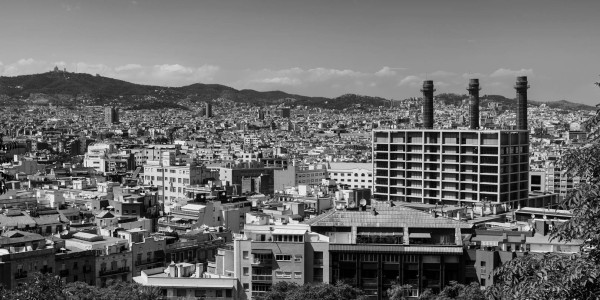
{"x": 208, "y": 110}
{"x": 452, "y": 166}
{"x": 285, "y": 112}
{"x": 111, "y": 115}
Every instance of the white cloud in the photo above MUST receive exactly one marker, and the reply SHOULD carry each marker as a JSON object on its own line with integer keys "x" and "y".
{"x": 93, "y": 69}
{"x": 280, "y": 80}
{"x": 410, "y": 80}
{"x": 387, "y": 71}
{"x": 26, "y": 62}
{"x": 502, "y": 72}
{"x": 473, "y": 75}
{"x": 128, "y": 67}
{"x": 176, "y": 74}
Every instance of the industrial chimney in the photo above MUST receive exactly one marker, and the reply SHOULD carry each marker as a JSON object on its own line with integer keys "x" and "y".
{"x": 521, "y": 86}
{"x": 473, "y": 103}
{"x": 428, "y": 104}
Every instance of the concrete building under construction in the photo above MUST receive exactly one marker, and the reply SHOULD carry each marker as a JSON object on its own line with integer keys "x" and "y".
{"x": 470, "y": 166}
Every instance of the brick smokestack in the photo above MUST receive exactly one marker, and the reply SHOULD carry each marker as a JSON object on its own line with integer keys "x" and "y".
{"x": 428, "y": 104}
{"x": 521, "y": 86}
{"x": 473, "y": 103}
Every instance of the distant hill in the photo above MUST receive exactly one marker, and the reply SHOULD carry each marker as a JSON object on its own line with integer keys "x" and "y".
{"x": 64, "y": 88}
{"x": 567, "y": 105}
{"x": 456, "y": 99}
{"x": 70, "y": 89}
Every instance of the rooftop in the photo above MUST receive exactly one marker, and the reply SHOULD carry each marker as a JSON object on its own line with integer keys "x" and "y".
{"x": 386, "y": 216}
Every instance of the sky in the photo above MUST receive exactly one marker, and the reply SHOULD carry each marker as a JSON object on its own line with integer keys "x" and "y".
{"x": 314, "y": 47}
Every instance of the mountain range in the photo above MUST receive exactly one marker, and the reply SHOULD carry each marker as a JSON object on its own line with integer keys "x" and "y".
{"x": 70, "y": 89}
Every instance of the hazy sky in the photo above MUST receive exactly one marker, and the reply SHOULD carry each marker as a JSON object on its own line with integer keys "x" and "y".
{"x": 317, "y": 48}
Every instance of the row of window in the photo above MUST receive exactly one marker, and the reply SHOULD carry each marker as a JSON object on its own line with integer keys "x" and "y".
{"x": 287, "y": 275}
{"x": 348, "y": 174}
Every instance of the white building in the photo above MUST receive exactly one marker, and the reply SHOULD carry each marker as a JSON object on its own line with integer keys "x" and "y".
{"x": 172, "y": 179}
{"x": 355, "y": 175}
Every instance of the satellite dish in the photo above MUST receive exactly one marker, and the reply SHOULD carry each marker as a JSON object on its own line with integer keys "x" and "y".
{"x": 351, "y": 204}
{"x": 363, "y": 202}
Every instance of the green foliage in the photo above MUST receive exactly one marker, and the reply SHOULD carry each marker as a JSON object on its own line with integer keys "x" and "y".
{"x": 560, "y": 276}
{"x": 49, "y": 286}
{"x": 323, "y": 291}
{"x": 453, "y": 290}
{"x": 547, "y": 276}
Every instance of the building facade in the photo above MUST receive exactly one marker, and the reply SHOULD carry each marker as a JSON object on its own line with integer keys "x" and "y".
{"x": 452, "y": 166}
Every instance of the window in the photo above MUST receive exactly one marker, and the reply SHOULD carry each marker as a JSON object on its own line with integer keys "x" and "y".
{"x": 283, "y": 257}
{"x": 199, "y": 293}
{"x": 228, "y": 293}
{"x": 297, "y": 275}
{"x": 245, "y": 254}
{"x": 218, "y": 293}
{"x": 246, "y": 286}
{"x": 246, "y": 271}
{"x": 181, "y": 292}
{"x": 298, "y": 257}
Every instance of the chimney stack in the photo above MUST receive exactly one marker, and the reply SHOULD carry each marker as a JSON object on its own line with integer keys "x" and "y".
{"x": 428, "y": 104}
{"x": 521, "y": 86}
{"x": 474, "y": 103}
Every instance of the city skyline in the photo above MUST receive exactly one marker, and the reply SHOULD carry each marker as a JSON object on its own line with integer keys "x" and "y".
{"x": 311, "y": 48}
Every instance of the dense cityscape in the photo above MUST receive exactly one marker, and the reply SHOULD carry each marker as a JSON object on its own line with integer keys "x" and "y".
{"x": 224, "y": 199}
{"x": 299, "y": 150}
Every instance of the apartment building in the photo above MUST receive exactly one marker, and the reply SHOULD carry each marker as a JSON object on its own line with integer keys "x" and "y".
{"x": 353, "y": 175}
{"x": 266, "y": 254}
{"x": 172, "y": 179}
{"x": 21, "y": 255}
{"x": 113, "y": 260}
{"x": 299, "y": 175}
{"x": 451, "y": 166}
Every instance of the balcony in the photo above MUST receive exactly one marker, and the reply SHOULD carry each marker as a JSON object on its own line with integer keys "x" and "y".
{"x": 263, "y": 278}
{"x": 263, "y": 262}
{"x": 115, "y": 271}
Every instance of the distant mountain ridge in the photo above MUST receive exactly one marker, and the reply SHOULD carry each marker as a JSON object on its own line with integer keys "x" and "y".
{"x": 65, "y": 88}
{"x": 456, "y": 99}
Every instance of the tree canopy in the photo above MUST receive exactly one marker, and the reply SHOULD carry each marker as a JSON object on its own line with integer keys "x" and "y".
{"x": 323, "y": 291}
{"x": 561, "y": 276}
{"x": 50, "y": 286}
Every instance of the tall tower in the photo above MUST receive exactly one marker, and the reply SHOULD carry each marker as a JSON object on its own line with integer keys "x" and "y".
{"x": 428, "y": 104}
{"x": 208, "y": 108}
{"x": 111, "y": 115}
{"x": 521, "y": 86}
{"x": 473, "y": 103}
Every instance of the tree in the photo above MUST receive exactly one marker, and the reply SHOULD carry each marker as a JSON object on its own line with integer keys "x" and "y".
{"x": 453, "y": 290}
{"x": 50, "y": 286}
{"x": 560, "y": 276}
{"x": 322, "y": 291}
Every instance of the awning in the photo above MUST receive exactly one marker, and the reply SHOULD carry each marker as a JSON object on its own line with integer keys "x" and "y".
{"x": 419, "y": 235}
{"x": 262, "y": 251}
{"x": 290, "y": 231}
